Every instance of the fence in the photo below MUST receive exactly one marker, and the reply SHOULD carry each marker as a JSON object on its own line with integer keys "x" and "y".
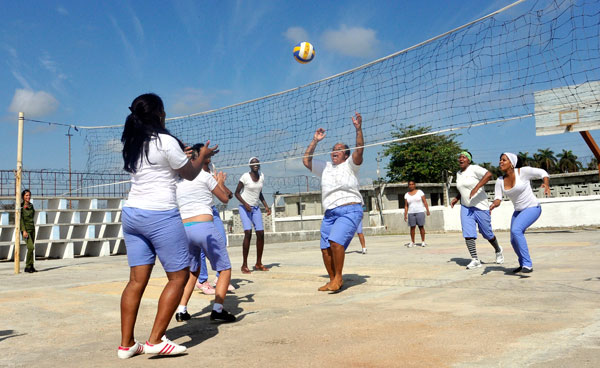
{"x": 63, "y": 183}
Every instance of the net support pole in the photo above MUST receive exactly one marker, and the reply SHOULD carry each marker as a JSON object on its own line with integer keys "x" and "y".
{"x": 18, "y": 174}
{"x": 587, "y": 137}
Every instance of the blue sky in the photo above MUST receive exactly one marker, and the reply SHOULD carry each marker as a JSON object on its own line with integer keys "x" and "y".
{"x": 82, "y": 62}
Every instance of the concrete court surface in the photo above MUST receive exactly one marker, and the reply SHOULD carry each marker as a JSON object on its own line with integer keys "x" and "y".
{"x": 400, "y": 307}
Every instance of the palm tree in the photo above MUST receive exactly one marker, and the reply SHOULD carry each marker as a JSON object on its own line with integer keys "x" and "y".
{"x": 546, "y": 160}
{"x": 567, "y": 162}
{"x": 526, "y": 159}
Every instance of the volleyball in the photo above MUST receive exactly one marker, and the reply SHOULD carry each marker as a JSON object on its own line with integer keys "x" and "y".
{"x": 304, "y": 52}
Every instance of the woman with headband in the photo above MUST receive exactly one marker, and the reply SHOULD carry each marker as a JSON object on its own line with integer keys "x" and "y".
{"x": 474, "y": 209}
{"x": 249, "y": 193}
{"x": 515, "y": 184}
{"x": 341, "y": 199}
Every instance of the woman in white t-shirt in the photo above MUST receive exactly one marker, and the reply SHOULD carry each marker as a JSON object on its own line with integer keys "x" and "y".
{"x": 415, "y": 208}
{"x": 195, "y": 200}
{"x": 341, "y": 200}
{"x": 515, "y": 185}
{"x": 249, "y": 193}
{"x": 151, "y": 222}
{"x": 474, "y": 209}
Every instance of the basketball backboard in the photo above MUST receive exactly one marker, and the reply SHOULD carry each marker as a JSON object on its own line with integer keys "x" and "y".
{"x": 568, "y": 109}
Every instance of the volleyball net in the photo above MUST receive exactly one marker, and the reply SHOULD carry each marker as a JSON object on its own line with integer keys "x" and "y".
{"x": 485, "y": 72}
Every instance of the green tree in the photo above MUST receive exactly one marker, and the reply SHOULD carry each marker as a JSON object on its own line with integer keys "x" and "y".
{"x": 423, "y": 159}
{"x": 495, "y": 170}
{"x": 567, "y": 162}
{"x": 526, "y": 159}
{"x": 593, "y": 164}
{"x": 546, "y": 160}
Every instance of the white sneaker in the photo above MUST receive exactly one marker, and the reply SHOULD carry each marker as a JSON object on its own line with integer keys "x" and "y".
{"x": 214, "y": 282}
{"x": 410, "y": 245}
{"x": 364, "y": 251}
{"x": 499, "y": 257}
{"x": 166, "y": 347}
{"x": 423, "y": 244}
{"x": 125, "y": 353}
{"x": 475, "y": 263}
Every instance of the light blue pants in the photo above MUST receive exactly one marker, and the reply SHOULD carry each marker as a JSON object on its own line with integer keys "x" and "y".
{"x": 520, "y": 221}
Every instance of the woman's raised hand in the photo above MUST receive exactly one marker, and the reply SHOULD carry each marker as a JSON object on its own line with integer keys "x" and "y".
{"x": 319, "y": 134}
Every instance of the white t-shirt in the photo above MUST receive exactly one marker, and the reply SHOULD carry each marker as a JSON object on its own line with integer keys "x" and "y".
{"x": 521, "y": 194}
{"x": 415, "y": 202}
{"x": 153, "y": 184}
{"x": 466, "y": 181}
{"x": 339, "y": 183}
{"x": 251, "y": 191}
{"x": 195, "y": 197}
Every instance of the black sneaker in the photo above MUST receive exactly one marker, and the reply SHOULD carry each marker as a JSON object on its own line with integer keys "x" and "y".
{"x": 517, "y": 270}
{"x": 223, "y": 316}
{"x": 527, "y": 270}
{"x": 180, "y": 317}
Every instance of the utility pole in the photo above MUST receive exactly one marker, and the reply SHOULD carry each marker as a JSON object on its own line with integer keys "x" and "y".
{"x": 18, "y": 174}
{"x": 69, "y": 135}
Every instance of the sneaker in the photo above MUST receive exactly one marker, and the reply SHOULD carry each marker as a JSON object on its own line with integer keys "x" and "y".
{"x": 199, "y": 284}
{"x": 517, "y": 270}
{"x": 230, "y": 288}
{"x": 125, "y": 353}
{"x": 410, "y": 245}
{"x": 527, "y": 269}
{"x": 475, "y": 263}
{"x": 499, "y": 257}
{"x": 223, "y": 316}
{"x": 423, "y": 244}
{"x": 214, "y": 282}
{"x": 180, "y": 317}
{"x": 364, "y": 251}
{"x": 166, "y": 347}
{"x": 207, "y": 289}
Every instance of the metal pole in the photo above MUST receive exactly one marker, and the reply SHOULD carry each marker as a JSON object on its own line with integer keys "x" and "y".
{"x": 587, "y": 137}
{"x": 18, "y": 194}
{"x": 69, "y": 136}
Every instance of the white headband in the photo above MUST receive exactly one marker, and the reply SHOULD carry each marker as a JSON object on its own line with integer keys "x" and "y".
{"x": 512, "y": 158}
{"x": 253, "y": 158}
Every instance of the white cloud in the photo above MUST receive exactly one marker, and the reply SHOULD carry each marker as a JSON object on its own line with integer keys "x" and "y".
{"x": 58, "y": 76}
{"x": 190, "y": 101}
{"x": 61, "y": 10}
{"x": 352, "y": 41}
{"x": 33, "y": 104}
{"x": 296, "y": 34}
{"x": 139, "y": 30}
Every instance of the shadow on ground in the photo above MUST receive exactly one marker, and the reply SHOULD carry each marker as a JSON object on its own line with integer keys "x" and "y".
{"x": 200, "y": 328}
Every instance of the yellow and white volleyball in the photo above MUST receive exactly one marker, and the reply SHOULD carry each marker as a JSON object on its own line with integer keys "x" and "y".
{"x": 304, "y": 52}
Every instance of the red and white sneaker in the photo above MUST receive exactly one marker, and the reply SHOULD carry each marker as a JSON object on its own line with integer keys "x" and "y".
{"x": 125, "y": 353}
{"x": 166, "y": 347}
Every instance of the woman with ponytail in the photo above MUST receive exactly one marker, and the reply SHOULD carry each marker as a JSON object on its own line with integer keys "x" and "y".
{"x": 152, "y": 225}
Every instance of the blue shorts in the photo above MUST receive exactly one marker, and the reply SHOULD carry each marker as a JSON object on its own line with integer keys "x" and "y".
{"x": 359, "y": 228}
{"x": 253, "y": 217}
{"x": 205, "y": 236}
{"x": 470, "y": 217}
{"x": 219, "y": 223}
{"x": 339, "y": 225}
{"x": 155, "y": 233}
